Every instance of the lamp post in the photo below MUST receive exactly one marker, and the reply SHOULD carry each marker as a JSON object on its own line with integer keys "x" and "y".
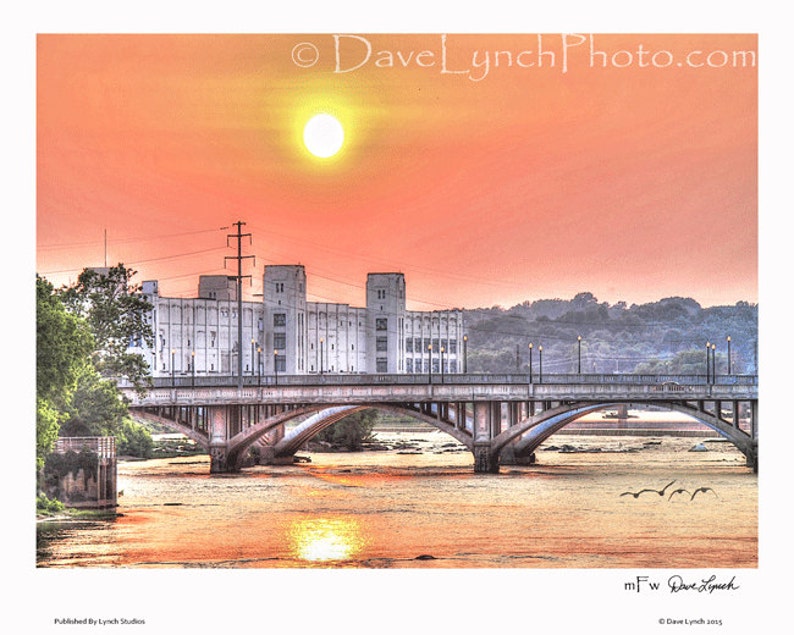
{"x": 729, "y": 354}
{"x": 322, "y": 343}
{"x": 275, "y": 364}
{"x": 173, "y": 352}
{"x": 193, "y": 368}
{"x": 442, "y": 364}
{"x": 713, "y": 363}
{"x": 708, "y": 362}
{"x": 465, "y": 354}
{"x": 540, "y": 355}
{"x": 258, "y": 365}
{"x": 429, "y": 363}
{"x": 253, "y": 347}
{"x": 530, "y": 362}
{"x": 579, "y": 342}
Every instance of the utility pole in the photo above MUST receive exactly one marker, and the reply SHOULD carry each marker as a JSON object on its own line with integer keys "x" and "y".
{"x": 239, "y": 278}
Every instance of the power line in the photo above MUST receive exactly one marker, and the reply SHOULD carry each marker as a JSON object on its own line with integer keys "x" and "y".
{"x": 239, "y": 279}
{"x": 124, "y": 241}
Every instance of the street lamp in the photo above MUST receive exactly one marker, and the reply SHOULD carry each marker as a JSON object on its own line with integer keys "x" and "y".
{"x": 708, "y": 362}
{"x": 193, "y": 368}
{"x": 579, "y": 341}
{"x": 275, "y": 364}
{"x": 465, "y": 354}
{"x": 322, "y": 343}
{"x": 253, "y": 346}
{"x": 540, "y": 354}
{"x": 729, "y": 354}
{"x": 530, "y": 362}
{"x": 173, "y": 352}
{"x": 442, "y": 364}
{"x": 429, "y": 364}
{"x": 258, "y": 365}
{"x": 713, "y": 363}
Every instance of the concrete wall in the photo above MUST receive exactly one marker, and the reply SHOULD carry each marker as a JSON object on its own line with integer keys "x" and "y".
{"x": 89, "y": 488}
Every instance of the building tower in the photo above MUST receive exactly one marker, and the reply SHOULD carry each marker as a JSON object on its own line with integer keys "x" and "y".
{"x": 386, "y": 322}
{"x": 284, "y": 292}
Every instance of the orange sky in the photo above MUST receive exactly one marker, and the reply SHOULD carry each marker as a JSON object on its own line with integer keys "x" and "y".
{"x": 634, "y": 182}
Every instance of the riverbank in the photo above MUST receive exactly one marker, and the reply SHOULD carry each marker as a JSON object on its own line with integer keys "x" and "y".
{"x": 72, "y": 514}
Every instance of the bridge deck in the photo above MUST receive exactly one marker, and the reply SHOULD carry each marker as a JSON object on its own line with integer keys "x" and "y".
{"x": 357, "y": 389}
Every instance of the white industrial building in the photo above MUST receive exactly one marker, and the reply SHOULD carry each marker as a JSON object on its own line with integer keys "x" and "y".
{"x": 284, "y": 333}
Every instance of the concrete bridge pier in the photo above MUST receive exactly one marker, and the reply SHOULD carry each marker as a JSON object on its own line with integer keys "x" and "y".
{"x": 752, "y": 457}
{"x": 487, "y": 424}
{"x": 485, "y": 460}
{"x": 219, "y": 463}
{"x": 267, "y": 454}
{"x": 508, "y": 456}
{"x": 218, "y": 446}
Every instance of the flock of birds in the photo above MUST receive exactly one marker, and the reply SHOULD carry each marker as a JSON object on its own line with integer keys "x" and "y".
{"x": 662, "y": 492}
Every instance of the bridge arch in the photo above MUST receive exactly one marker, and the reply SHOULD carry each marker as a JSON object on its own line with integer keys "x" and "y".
{"x": 326, "y": 417}
{"x": 534, "y": 430}
{"x": 199, "y": 436}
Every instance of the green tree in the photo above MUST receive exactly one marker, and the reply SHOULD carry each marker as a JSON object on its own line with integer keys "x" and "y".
{"x": 117, "y": 313}
{"x": 63, "y": 345}
{"x": 352, "y": 431}
{"x": 95, "y": 409}
{"x": 47, "y": 427}
{"x": 63, "y": 349}
{"x": 133, "y": 439}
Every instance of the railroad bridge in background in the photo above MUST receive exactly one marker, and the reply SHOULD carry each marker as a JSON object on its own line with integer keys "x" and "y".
{"x": 501, "y": 419}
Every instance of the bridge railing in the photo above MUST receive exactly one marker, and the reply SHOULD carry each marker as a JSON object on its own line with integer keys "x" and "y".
{"x": 668, "y": 382}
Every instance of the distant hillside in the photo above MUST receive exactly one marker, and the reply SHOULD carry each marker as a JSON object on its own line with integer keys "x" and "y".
{"x": 659, "y": 337}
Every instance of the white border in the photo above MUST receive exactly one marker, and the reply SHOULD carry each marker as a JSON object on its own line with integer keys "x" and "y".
{"x": 463, "y": 602}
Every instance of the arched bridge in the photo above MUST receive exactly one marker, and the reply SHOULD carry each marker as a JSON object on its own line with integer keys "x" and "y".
{"x": 500, "y": 418}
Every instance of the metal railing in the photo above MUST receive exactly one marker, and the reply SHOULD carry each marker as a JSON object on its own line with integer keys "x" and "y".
{"x": 668, "y": 382}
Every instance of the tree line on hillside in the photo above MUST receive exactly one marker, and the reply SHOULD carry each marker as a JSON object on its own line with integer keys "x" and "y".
{"x": 668, "y": 336}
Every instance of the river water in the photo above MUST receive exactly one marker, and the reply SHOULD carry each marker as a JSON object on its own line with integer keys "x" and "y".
{"x": 425, "y": 508}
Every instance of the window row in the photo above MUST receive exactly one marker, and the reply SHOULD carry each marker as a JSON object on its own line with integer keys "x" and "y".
{"x": 421, "y": 366}
{"x": 419, "y": 345}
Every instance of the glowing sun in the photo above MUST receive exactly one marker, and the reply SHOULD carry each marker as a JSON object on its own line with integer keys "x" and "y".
{"x": 323, "y": 135}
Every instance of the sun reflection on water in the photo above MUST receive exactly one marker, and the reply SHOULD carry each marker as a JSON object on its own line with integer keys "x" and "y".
{"x": 325, "y": 539}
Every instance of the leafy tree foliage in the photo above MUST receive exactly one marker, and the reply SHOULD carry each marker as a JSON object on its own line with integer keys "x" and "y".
{"x": 95, "y": 409}
{"x": 63, "y": 346}
{"x": 133, "y": 439}
{"x": 352, "y": 431}
{"x": 117, "y": 314}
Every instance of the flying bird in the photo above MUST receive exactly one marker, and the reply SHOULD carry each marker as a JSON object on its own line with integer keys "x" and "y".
{"x": 680, "y": 490}
{"x": 704, "y": 490}
{"x": 655, "y": 491}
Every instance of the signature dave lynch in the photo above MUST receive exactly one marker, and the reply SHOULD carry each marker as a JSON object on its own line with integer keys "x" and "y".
{"x": 676, "y": 584}
{"x": 354, "y": 52}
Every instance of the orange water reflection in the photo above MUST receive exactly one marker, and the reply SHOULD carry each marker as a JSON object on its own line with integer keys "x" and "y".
{"x": 325, "y": 539}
